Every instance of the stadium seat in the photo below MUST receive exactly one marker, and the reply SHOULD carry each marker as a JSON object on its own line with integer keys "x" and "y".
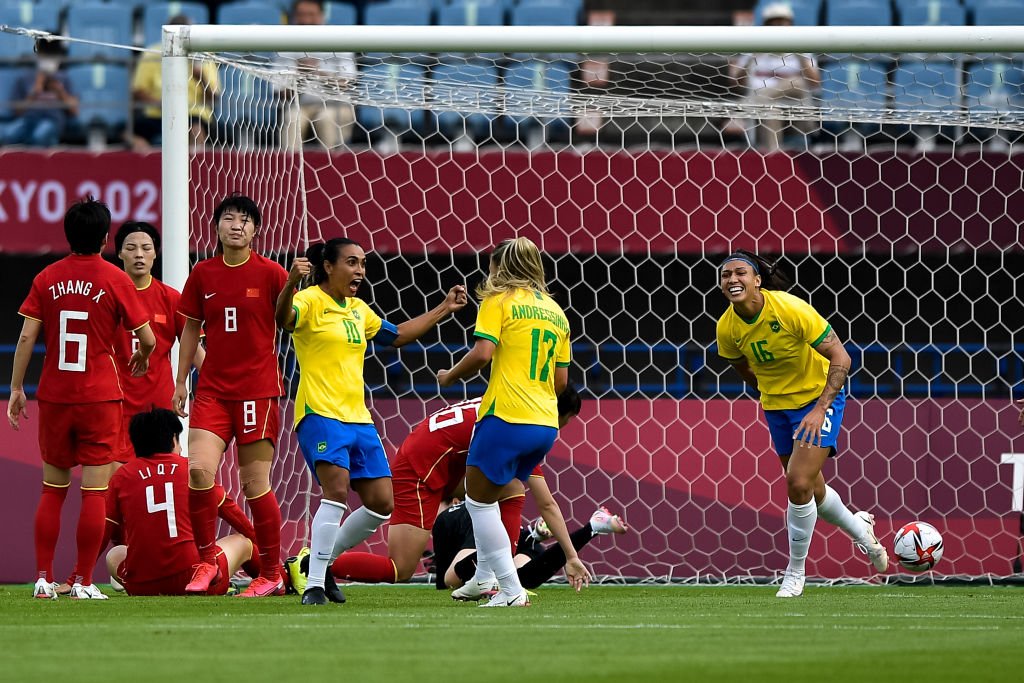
{"x": 13, "y": 47}
{"x": 103, "y": 24}
{"x": 25, "y": 13}
{"x": 805, "y": 12}
{"x": 399, "y": 83}
{"x": 398, "y": 13}
{"x": 995, "y": 86}
{"x": 103, "y": 93}
{"x": 575, "y": 5}
{"x": 530, "y": 79}
{"x": 465, "y": 83}
{"x": 154, "y": 16}
{"x": 247, "y": 108}
{"x": 8, "y": 75}
{"x": 999, "y": 13}
{"x": 854, "y": 83}
{"x": 340, "y": 14}
{"x": 471, "y": 13}
{"x": 544, "y": 15}
{"x": 858, "y": 13}
{"x": 921, "y": 84}
{"x": 248, "y": 13}
{"x": 932, "y": 13}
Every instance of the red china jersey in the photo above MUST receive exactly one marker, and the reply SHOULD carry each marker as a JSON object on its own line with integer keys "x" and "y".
{"x": 148, "y": 497}
{"x": 236, "y": 306}
{"x": 82, "y": 302}
{"x": 437, "y": 447}
{"x": 156, "y": 387}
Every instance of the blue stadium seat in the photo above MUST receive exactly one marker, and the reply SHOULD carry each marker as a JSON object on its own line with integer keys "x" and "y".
{"x": 13, "y": 47}
{"x": 999, "y": 13}
{"x": 537, "y": 77}
{"x": 399, "y": 84}
{"x": 44, "y": 16}
{"x": 858, "y": 13}
{"x": 340, "y": 14}
{"x": 471, "y": 13}
{"x": 995, "y": 86}
{"x": 465, "y": 83}
{"x": 103, "y": 92}
{"x": 101, "y": 23}
{"x": 156, "y": 15}
{"x": 805, "y": 12}
{"x": 248, "y": 13}
{"x": 544, "y": 15}
{"x": 8, "y": 75}
{"x": 575, "y": 5}
{"x": 926, "y": 85}
{"x": 247, "y": 106}
{"x": 398, "y": 13}
{"x": 854, "y": 83}
{"x": 932, "y": 13}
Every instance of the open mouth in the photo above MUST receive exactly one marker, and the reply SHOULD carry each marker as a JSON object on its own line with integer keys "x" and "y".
{"x": 354, "y": 285}
{"x": 735, "y": 290}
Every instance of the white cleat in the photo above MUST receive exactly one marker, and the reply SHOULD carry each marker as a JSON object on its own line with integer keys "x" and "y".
{"x": 604, "y": 522}
{"x": 505, "y": 600}
{"x": 474, "y": 590}
{"x": 539, "y": 530}
{"x": 116, "y": 585}
{"x": 44, "y": 590}
{"x": 90, "y": 592}
{"x": 874, "y": 550}
{"x": 792, "y": 585}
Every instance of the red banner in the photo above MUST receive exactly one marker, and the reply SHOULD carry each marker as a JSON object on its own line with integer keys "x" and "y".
{"x": 438, "y": 202}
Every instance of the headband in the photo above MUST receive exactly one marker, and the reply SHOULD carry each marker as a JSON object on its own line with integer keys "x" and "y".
{"x": 745, "y": 259}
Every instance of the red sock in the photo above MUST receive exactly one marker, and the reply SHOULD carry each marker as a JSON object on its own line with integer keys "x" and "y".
{"x": 231, "y": 513}
{"x": 202, "y": 510}
{"x": 91, "y": 525}
{"x": 511, "y": 516}
{"x": 47, "y": 527}
{"x": 266, "y": 519}
{"x": 364, "y": 567}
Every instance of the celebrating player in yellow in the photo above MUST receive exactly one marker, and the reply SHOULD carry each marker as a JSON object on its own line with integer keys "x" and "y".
{"x": 523, "y": 333}
{"x": 783, "y": 348}
{"x": 330, "y": 327}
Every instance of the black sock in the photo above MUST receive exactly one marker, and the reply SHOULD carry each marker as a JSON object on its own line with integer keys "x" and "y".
{"x": 535, "y": 572}
{"x": 465, "y": 568}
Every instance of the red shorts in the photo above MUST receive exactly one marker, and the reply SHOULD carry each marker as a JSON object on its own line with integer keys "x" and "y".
{"x": 246, "y": 421}
{"x": 125, "y": 451}
{"x": 175, "y": 584}
{"x": 73, "y": 434}
{"x": 415, "y": 503}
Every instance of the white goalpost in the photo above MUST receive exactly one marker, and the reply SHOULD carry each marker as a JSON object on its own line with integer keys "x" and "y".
{"x": 637, "y": 157}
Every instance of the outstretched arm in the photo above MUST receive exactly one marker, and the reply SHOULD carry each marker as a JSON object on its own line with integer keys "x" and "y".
{"x": 411, "y": 330}
{"x": 470, "y": 364}
{"x": 575, "y": 572}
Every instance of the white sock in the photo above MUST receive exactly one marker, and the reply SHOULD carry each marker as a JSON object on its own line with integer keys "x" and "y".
{"x": 324, "y": 528}
{"x": 357, "y": 528}
{"x": 492, "y": 546}
{"x": 800, "y": 520}
{"x": 834, "y": 511}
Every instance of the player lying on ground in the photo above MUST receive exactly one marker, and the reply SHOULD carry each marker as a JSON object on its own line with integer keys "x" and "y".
{"x": 455, "y": 554}
{"x": 148, "y": 503}
{"x": 429, "y": 468}
{"x": 781, "y": 346}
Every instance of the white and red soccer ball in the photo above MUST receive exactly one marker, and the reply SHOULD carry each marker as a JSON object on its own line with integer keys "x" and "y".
{"x": 918, "y": 546}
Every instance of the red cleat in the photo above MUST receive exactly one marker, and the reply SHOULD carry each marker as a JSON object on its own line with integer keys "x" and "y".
{"x": 263, "y": 587}
{"x": 205, "y": 574}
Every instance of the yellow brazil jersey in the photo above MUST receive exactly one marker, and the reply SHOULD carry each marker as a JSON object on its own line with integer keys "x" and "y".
{"x": 148, "y": 76}
{"x": 779, "y": 347}
{"x": 532, "y": 338}
{"x": 330, "y": 343}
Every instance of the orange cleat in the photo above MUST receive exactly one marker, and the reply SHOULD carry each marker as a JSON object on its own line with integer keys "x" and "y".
{"x": 205, "y": 574}
{"x": 263, "y": 587}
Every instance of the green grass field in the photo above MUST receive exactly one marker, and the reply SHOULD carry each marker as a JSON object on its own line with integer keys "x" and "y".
{"x": 607, "y": 633}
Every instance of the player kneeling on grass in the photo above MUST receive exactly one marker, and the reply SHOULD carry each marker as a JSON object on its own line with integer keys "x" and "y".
{"x": 455, "y": 552}
{"x": 148, "y": 499}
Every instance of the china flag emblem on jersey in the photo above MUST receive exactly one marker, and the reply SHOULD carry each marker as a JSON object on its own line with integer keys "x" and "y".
{"x": 252, "y": 292}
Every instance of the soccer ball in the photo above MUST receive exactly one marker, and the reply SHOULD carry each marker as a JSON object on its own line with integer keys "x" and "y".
{"x": 918, "y": 546}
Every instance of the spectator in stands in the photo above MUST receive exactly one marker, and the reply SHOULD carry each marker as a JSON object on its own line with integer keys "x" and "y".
{"x": 313, "y": 116}
{"x": 42, "y": 100}
{"x": 776, "y": 78}
{"x": 204, "y": 86}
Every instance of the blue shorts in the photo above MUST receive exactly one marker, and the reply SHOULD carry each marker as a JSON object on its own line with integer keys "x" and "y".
{"x": 783, "y": 425}
{"x": 354, "y": 447}
{"x": 505, "y": 451}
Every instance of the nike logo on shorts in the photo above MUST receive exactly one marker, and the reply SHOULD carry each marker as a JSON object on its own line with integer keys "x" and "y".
{"x": 249, "y": 431}
{"x": 207, "y": 296}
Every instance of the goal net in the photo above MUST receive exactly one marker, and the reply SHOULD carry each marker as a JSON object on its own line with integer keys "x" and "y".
{"x": 889, "y": 182}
